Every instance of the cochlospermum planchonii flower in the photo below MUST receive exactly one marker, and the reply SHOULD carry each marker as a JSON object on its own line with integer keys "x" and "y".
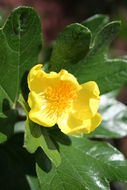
{"x": 58, "y": 98}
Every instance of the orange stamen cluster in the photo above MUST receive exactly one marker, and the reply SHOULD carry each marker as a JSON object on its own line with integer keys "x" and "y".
{"x": 61, "y": 97}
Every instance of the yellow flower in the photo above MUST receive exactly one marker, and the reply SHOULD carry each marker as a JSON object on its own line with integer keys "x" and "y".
{"x": 58, "y": 98}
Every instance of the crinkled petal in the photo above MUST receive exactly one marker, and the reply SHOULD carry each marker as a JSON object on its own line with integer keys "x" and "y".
{"x": 68, "y": 77}
{"x": 38, "y": 80}
{"x": 72, "y": 125}
{"x": 87, "y": 102}
{"x": 45, "y": 91}
{"x": 40, "y": 112}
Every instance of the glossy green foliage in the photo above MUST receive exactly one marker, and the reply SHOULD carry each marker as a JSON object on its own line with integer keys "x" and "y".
{"x": 110, "y": 74}
{"x": 92, "y": 166}
{"x": 114, "y": 114}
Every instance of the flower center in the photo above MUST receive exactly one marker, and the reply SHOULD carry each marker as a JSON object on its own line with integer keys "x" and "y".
{"x": 61, "y": 97}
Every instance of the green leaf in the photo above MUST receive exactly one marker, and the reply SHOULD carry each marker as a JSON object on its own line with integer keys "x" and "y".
{"x": 95, "y": 24}
{"x": 110, "y": 74}
{"x": 20, "y": 43}
{"x": 85, "y": 165}
{"x": 114, "y": 114}
{"x": 7, "y": 121}
{"x": 24, "y": 104}
{"x": 71, "y": 46}
{"x": 37, "y": 136}
{"x": 33, "y": 183}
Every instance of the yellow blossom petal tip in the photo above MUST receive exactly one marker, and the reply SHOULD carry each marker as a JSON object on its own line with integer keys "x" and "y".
{"x": 58, "y": 98}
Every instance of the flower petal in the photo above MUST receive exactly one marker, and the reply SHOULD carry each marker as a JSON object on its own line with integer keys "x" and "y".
{"x": 40, "y": 112}
{"x": 68, "y": 77}
{"x": 72, "y": 125}
{"x": 87, "y": 102}
{"x": 94, "y": 123}
{"x": 38, "y": 80}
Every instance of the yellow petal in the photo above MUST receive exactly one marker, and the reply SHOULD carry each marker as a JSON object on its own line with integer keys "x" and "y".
{"x": 68, "y": 77}
{"x": 93, "y": 123}
{"x": 58, "y": 98}
{"x": 40, "y": 112}
{"x": 72, "y": 125}
{"x": 87, "y": 102}
{"x": 68, "y": 123}
{"x": 38, "y": 80}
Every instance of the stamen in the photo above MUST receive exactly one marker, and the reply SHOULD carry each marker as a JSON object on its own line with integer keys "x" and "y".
{"x": 60, "y": 98}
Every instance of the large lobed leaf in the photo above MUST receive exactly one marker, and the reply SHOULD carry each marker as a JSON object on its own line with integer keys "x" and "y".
{"x": 85, "y": 165}
{"x": 20, "y": 43}
{"x": 110, "y": 74}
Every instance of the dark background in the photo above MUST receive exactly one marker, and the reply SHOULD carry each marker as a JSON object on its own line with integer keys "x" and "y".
{"x": 56, "y": 14}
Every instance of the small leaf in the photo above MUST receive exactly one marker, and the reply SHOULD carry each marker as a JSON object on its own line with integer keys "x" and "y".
{"x": 85, "y": 165}
{"x": 71, "y": 46}
{"x": 95, "y": 24}
{"x": 37, "y": 136}
{"x": 114, "y": 114}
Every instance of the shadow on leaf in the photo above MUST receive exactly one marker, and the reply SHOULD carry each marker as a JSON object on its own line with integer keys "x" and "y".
{"x": 8, "y": 121}
{"x": 59, "y": 137}
{"x": 24, "y": 86}
{"x": 43, "y": 161}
